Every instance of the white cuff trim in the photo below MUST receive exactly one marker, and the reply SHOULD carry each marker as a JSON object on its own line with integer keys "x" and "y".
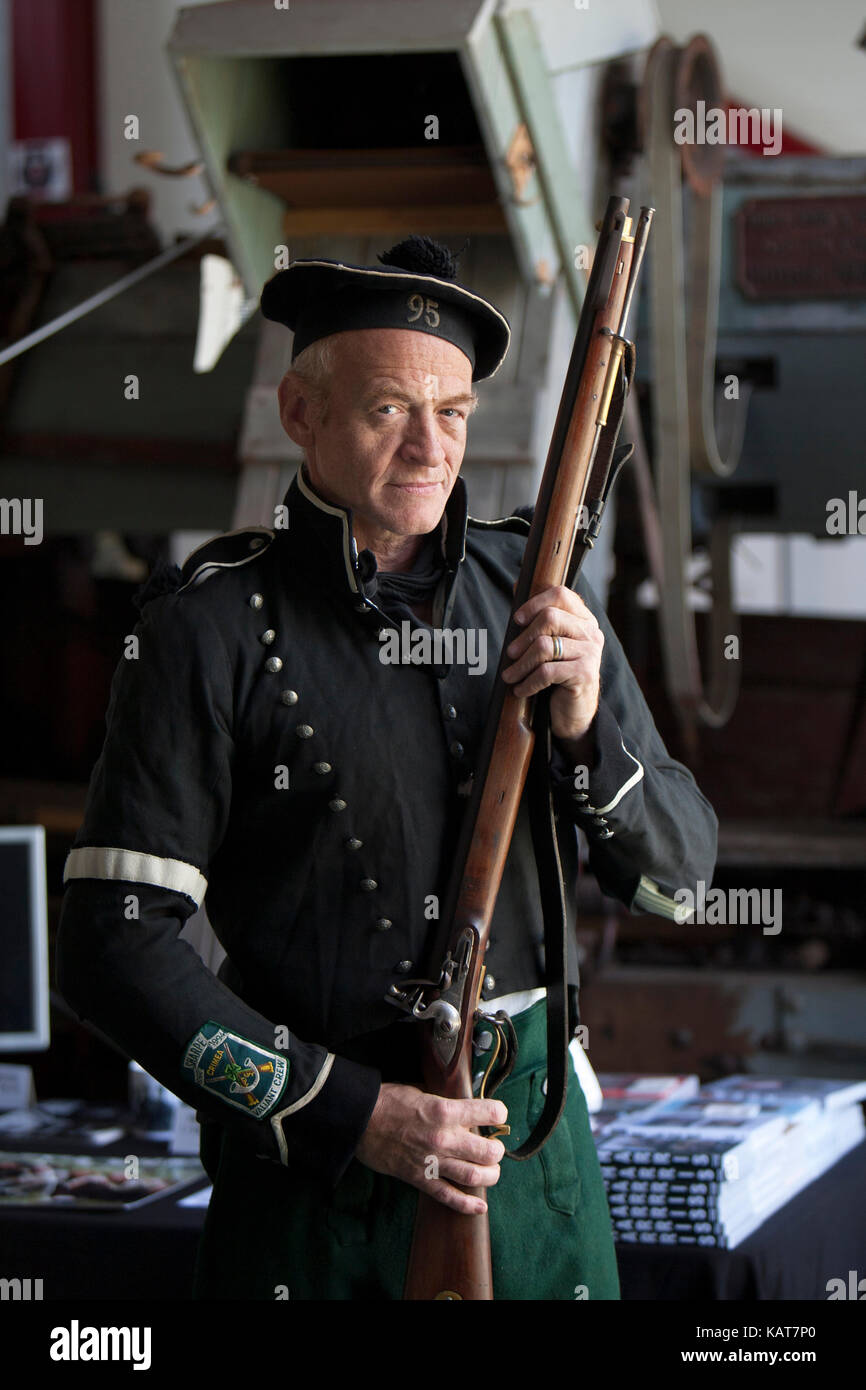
{"x": 626, "y": 786}
{"x": 134, "y": 867}
{"x": 651, "y": 898}
{"x": 298, "y": 1105}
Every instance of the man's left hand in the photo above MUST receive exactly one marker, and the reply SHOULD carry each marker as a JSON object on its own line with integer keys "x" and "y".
{"x": 576, "y": 672}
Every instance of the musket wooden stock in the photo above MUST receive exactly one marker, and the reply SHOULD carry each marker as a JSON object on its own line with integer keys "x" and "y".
{"x": 450, "y": 1256}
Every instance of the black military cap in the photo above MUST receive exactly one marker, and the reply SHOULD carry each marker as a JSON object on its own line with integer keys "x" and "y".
{"x": 415, "y": 287}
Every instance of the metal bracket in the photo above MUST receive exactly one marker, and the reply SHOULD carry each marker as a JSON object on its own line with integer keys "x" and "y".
{"x": 155, "y": 160}
{"x": 520, "y": 163}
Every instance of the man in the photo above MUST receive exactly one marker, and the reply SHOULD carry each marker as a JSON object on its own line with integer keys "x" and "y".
{"x": 263, "y": 745}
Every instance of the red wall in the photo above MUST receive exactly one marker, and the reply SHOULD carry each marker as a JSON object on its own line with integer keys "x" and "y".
{"x": 791, "y": 143}
{"x": 54, "y": 72}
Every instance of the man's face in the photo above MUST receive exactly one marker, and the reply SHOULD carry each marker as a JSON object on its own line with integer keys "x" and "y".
{"x": 392, "y": 441}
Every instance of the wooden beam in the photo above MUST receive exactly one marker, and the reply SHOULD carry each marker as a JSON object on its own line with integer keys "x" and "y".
{"x": 430, "y": 219}
{"x": 305, "y": 178}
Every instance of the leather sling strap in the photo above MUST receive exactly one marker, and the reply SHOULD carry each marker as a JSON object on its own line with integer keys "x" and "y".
{"x": 552, "y": 889}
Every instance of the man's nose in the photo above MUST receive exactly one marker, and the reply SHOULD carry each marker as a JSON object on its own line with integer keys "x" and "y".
{"x": 421, "y": 440}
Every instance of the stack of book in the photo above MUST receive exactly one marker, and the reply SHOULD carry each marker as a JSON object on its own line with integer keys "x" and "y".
{"x": 710, "y": 1167}
{"x": 629, "y": 1095}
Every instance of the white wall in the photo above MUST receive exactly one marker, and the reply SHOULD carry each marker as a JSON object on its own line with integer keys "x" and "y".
{"x": 798, "y": 55}
{"x": 136, "y": 79}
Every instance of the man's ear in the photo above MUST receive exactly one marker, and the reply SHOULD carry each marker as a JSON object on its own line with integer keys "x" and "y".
{"x": 296, "y": 409}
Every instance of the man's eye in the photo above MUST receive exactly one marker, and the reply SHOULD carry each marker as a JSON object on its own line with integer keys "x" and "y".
{"x": 388, "y": 406}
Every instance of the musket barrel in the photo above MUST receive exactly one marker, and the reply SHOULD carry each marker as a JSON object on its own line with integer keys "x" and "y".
{"x": 450, "y": 1256}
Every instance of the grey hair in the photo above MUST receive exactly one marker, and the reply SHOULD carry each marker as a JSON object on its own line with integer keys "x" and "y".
{"x": 315, "y": 367}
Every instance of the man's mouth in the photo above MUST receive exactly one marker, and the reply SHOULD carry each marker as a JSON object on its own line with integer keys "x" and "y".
{"x": 421, "y": 488}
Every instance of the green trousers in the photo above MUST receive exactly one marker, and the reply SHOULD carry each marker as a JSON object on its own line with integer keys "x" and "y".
{"x": 274, "y": 1233}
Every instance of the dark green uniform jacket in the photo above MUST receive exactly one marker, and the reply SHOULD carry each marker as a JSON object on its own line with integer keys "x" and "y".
{"x": 259, "y": 747}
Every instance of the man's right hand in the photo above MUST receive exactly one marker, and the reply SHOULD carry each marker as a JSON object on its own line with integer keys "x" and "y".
{"x": 427, "y": 1141}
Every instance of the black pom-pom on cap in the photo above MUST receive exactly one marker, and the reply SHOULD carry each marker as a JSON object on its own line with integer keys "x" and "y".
{"x": 422, "y": 256}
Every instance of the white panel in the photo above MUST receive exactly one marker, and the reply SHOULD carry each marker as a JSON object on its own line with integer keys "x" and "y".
{"x": 262, "y": 434}
{"x": 828, "y": 577}
{"x": 800, "y": 576}
{"x": 571, "y": 35}
{"x": 256, "y": 27}
{"x": 758, "y": 568}
{"x": 499, "y": 116}
{"x": 577, "y": 96}
{"x": 484, "y": 489}
{"x": 561, "y": 342}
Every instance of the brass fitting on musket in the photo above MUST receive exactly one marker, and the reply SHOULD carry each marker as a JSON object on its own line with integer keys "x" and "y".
{"x": 619, "y": 343}
{"x": 618, "y": 347}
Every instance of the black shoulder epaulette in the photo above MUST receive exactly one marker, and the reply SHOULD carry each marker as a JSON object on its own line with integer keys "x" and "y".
{"x": 164, "y": 578}
{"x": 228, "y": 551}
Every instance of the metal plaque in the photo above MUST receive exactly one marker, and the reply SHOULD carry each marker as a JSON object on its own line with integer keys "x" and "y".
{"x": 801, "y": 248}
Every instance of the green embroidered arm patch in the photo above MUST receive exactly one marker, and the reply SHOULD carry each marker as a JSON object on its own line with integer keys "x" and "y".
{"x": 240, "y": 1072}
